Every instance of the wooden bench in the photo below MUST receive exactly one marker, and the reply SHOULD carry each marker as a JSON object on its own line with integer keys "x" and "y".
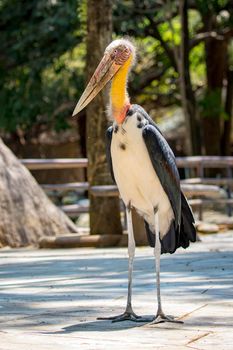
{"x": 200, "y": 190}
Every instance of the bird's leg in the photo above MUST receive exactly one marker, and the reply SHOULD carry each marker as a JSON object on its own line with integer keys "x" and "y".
{"x": 129, "y": 314}
{"x": 160, "y": 316}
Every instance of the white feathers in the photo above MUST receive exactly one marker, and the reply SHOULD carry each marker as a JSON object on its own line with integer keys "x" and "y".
{"x": 135, "y": 176}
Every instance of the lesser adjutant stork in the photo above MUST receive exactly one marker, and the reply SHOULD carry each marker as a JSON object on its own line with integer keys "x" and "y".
{"x": 143, "y": 166}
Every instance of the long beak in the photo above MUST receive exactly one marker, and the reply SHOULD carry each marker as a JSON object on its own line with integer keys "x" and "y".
{"x": 106, "y": 69}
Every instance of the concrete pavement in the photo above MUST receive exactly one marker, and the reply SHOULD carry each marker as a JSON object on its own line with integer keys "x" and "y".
{"x": 50, "y": 299}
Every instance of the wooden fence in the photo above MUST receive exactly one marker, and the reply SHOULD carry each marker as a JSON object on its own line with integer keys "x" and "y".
{"x": 200, "y": 190}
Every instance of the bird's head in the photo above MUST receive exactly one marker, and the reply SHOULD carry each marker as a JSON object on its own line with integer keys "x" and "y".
{"x": 117, "y": 54}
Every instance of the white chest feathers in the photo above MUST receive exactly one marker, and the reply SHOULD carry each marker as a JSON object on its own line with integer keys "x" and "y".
{"x": 135, "y": 176}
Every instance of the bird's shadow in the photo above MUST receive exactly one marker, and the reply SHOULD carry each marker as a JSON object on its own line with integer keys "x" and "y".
{"x": 109, "y": 326}
{"x": 99, "y": 326}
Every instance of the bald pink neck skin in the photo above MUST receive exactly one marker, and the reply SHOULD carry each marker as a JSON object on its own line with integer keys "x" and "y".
{"x": 120, "y": 115}
{"x": 120, "y": 103}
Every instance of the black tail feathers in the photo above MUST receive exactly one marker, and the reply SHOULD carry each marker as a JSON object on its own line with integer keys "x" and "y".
{"x": 187, "y": 228}
{"x": 179, "y": 237}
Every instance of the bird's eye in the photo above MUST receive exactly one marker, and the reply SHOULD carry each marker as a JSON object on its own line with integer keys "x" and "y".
{"x": 114, "y": 53}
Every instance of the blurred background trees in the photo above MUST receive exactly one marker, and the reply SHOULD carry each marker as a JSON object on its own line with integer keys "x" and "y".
{"x": 185, "y": 58}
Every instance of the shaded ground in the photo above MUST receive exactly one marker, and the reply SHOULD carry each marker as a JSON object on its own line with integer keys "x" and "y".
{"x": 50, "y": 299}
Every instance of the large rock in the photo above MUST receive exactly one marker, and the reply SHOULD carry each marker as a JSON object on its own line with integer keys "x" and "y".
{"x": 26, "y": 213}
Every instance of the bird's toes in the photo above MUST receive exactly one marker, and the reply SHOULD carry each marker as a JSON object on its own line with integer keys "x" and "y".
{"x": 160, "y": 318}
{"x": 127, "y": 316}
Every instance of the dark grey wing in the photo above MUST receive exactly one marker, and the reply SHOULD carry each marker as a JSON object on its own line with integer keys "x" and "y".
{"x": 182, "y": 230}
{"x": 142, "y": 111}
{"x": 108, "y": 150}
{"x": 163, "y": 161}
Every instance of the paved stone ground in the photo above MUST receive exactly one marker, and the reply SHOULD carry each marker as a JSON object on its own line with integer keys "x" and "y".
{"x": 50, "y": 299}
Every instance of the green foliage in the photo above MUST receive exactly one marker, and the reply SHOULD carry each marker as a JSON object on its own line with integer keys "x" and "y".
{"x": 197, "y": 65}
{"x": 35, "y": 36}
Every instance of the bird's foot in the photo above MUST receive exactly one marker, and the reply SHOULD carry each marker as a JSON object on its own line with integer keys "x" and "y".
{"x": 161, "y": 317}
{"x": 127, "y": 316}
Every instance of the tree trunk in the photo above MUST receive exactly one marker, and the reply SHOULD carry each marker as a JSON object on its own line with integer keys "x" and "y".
{"x": 187, "y": 94}
{"x": 226, "y": 136}
{"x": 104, "y": 212}
{"x": 26, "y": 213}
{"x": 215, "y": 54}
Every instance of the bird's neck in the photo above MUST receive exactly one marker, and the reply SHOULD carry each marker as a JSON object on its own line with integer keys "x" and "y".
{"x": 120, "y": 103}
